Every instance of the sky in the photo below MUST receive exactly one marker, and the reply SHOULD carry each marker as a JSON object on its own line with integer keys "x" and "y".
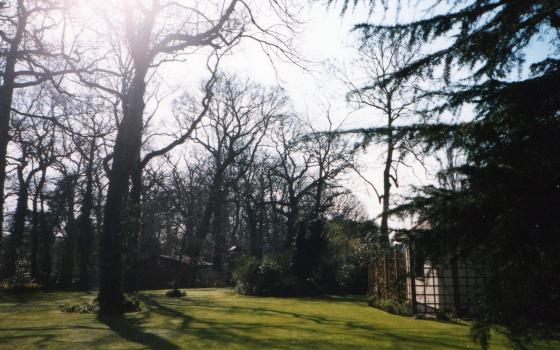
{"x": 326, "y": 41}
{"x": 323, "y": 39}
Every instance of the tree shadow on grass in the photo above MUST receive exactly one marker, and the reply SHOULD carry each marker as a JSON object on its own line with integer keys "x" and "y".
{"x": 164, "y": 310}
{"x": 245, "y": 331}
{"x": 401, "y": 336}
{"x": 218, "y": 324}
{"x": 260, "y": 311}
{"x": 131, "y": 329}
{"x": 216, "y": 331}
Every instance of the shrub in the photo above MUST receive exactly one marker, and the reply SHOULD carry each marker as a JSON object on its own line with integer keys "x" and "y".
{"x": 20, "y": 285}
{"x": 348, "y": 253}
{"x": 132, "y": 304}
{"x": 175, "y": 293}
{"x": 351, "y": 277}
{"x": 271, "y": 276}
{"x": 91, "y": 307}
{"x": 443, "y": 316}
{"x": 245, "y": 275}
{"x": 393, "y": 306}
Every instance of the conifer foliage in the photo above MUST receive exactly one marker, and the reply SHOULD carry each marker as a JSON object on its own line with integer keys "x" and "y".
{"x": 504, "y": 212}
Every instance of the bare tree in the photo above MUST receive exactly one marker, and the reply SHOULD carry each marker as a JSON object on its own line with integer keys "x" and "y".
{"x": 34, "y": 141}
{"x": 156, "y": 32}
{"x": 183, "y": 185}
{"x": 395, "y": 101}
{"x": 251, "y": 194}
{"x": 30, "y": 56}
{"x": 240, "y": 115}
{"x": 186, "y": 128}
{"x": 88, "y": 131}
{"x": 146, "y": 42}
{"x": 308, "y": 164}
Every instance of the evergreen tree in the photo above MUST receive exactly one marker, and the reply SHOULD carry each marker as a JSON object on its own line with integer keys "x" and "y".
{"x": 503, "y": 214}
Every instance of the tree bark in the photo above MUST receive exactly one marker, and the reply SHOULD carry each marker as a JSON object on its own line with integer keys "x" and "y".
{"x": 220, "y": 238}
{"x": 85, "y": 224}
{"x": 387, "y": 179}
{"x": 203, "y": 228}
{"x": 291, "y": 224}
{"x": 6, "y": 97}
{"x": 179, "y": 268}
{"x": 67, "y": 260}
{"x": 47, "y": 236}
{"x": 18, "y": 229}
{"x": 5, "y": 104}
{"x": 34, "y": 236}
{"x": 255, "y": 242}
{"x": 134, "y": 225}
{"x": 36, "y": 226}
{"x": 125, "y": 156}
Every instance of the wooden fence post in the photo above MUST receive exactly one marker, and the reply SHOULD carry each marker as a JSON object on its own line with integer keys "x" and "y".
{"x": 412, "y": 270}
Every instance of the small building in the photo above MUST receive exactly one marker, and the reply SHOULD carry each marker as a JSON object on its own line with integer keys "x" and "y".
{"x": 452, "y": 288}
{"x": 400, "y": 274}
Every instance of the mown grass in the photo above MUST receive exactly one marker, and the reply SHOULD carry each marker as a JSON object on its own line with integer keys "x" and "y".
{"x": 220, "y": 319}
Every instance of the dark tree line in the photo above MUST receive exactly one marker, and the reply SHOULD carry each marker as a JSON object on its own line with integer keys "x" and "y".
{"x": 256, "y": 184}
{"x": 96, "y": 188}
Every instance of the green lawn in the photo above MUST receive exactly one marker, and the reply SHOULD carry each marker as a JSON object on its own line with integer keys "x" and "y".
{"x": 220, "y": 319}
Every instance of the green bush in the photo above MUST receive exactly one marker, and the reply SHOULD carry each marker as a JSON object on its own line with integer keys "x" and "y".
{"x": 245, "y": 275}
{"x": 393, "y": 306}
{"x": 175, "y": 293}
{"x": 328, "y": 259}
{"x": 271, "y": 276}
{"x": 351, "y": 275}
{"x": 132, "y": 304}
{"x": 348, "y": 253}
{"x": 274, "y": 277}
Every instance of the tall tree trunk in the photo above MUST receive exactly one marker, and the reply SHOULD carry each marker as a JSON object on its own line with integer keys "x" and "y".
{"x": 291, "y": 224}
{"x": 18, "y": 228}
{"x": 5, "y": 104}
{"x": 203, "y": 228}
{"x": 36, "y": 226}
{"x": 179, "y": 267}
{"x": 252, "y": 229}
{"x": 85, "y": 225}
{"x": 319, "y": 193}
{"x": 300, "y": 255}
{"x": 67, "y": 260}
{"x": 220, "y": 238}
{"x": 195, "y": 246}
{"x": 34, "y": 236}
{"x": 387, "y": 183}
{"x": 125, "y": 155}
{"x": 6, "y": 97}
{"x": 261, "y": 230}
{"x": 98, "y": 206}
{"x": 47, "y": 237}
{"x": 134, "y": 225}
